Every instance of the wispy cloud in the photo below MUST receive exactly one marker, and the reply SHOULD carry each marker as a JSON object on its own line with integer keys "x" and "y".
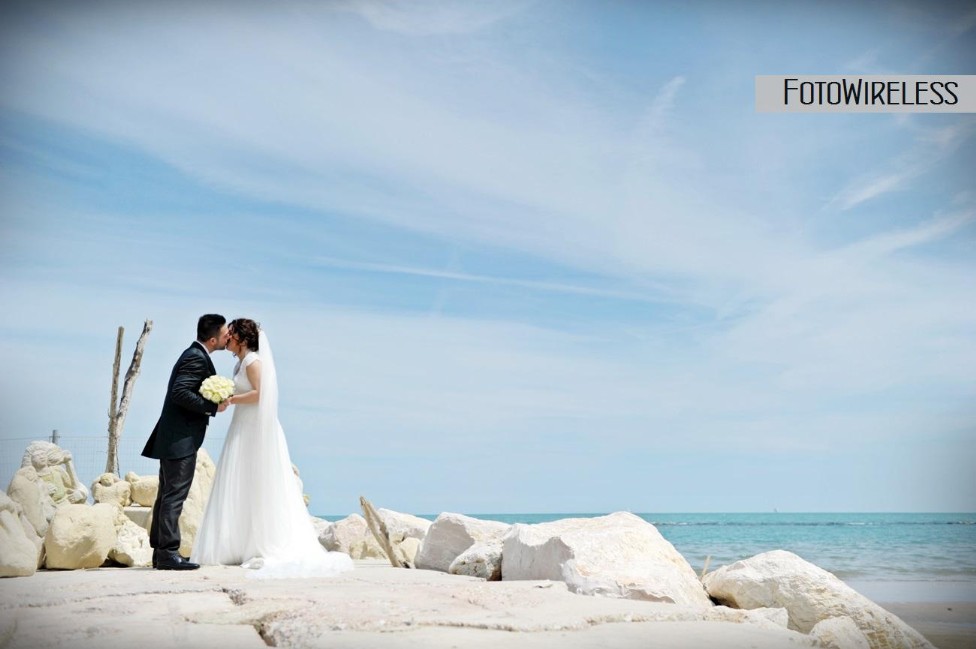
{"x": 933, "y": 146}
{"x": 461, "y": 237}
{"x": 424, "y": 17}
{"x": 656, "y": 293}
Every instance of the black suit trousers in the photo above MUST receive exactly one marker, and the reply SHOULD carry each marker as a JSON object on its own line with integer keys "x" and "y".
{"x": 175, "y": 477}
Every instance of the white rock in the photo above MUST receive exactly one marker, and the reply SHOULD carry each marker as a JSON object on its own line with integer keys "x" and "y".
{"x": 34, "y": 538}
{"x": 108, "y": 488}
{"x": 352, "y": 536}
{"x": 810, "y": 595}
{"x": 196, "y": 501}
{"x": 482, "y": 560}
{"x": 450, "y": 535}
{"x": 131, "y": 546}
{"x": 779, "y": 617}
{"x": 144, "y": 488}
{"x": 320, "y": 524}
{"x": 34, "y": 496}
{"x": 81, "y": 536}
{"x": 407, "y": 550}
{"x": 767, "y": 618}
{"x": 403, "y": 526}
{"x": 18, "y": 550}
{"x": 141, "y": 516}
{"x": 839, "y": 633}
{"x": 619, "y": 555}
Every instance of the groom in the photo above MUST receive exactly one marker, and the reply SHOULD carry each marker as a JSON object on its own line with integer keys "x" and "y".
{"x": 177, "y": 437}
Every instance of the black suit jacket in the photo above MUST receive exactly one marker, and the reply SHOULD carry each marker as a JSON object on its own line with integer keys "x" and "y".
{"x": 186, "y": 414}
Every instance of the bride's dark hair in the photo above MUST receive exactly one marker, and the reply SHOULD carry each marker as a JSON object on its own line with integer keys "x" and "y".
{"x": 246, "y": 331}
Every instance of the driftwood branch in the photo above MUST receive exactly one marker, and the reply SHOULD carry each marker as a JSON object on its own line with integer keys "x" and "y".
{"x": 113, "y": 451}
{"x": 118, "y": 423}
{"x": 378, "y": 528}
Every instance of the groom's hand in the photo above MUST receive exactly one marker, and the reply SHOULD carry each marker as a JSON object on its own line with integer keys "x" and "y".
{"x": 222, "y": 406}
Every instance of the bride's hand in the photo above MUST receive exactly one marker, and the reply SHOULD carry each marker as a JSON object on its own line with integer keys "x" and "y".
{"x": 230, "y": 400}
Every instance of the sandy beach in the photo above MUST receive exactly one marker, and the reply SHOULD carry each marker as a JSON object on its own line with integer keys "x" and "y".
{"x": 379, "y": 606}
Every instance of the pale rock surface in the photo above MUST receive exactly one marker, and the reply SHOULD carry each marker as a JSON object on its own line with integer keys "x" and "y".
{"x": 619, "y": 555}
{"x": 375, "y": 606}
{"x": 352, "y": 536}
{"x": 320, "y": 525}
{"x": 144, "y": 488}
{"x": 18, "y": 549}
{"x": 408, "y": 549}
{"x": 108, "y": 488}
{"x": 34, "y": 496}
{"x": 55, "y": 466}
{"x": 403, "y": 526}
{"x": 810, "y": 595}
{"x": 778, "y": 616}
{"x": 450, "y": 535}
{"x": 141, "y": 516}
{"x": 482, "y": 560}
{"x": 131, "y": 546}
{"x": 81, "y": 536}
{"x": 766, "y": 618}
{"x": 34, "y": 538}
{"x": 839, "y": 633}
{"x": 196, "y": 501}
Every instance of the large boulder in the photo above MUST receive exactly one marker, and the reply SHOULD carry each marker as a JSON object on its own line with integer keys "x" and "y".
{"x": 452, "y": 534}
{"x": 18, "y": 544}
{"x": 131, "y": 546}
{"x": 619, "y": 555}
{"x": 352, "y": 536}
{"x": 839, "y": 633}
{"x": 407, "y": 550}
{"x": 196, "y": 501}
{"x": 81, "y": 536}
{"x": 319, "y": 524}
{"x": 810, "y": 595}
{"x": 108, "y": 488}
{"x": 403, "y": 526}
{"x": 482, "y": 560}
{"x": 34, "y": 495}
{"x": 143, "y": 488}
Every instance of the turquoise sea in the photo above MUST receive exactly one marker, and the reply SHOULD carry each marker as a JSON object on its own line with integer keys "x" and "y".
{"x": 887, "y": 557}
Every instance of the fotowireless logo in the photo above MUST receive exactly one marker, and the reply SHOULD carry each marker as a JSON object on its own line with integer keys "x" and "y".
{"x": 929, "y": 93}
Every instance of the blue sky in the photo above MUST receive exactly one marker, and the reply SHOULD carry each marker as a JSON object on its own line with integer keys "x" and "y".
{"x": 512, "y": 256}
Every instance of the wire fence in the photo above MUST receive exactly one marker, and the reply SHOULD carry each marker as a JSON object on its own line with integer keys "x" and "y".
{"x": 89, "y": 454}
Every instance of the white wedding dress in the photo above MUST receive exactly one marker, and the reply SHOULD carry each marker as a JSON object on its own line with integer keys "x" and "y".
{"x": 256, "y": 516}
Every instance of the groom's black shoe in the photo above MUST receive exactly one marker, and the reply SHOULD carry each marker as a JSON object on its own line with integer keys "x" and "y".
{"x": 173, "y": 561}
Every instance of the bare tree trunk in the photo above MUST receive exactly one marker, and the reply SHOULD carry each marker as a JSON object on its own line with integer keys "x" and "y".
{"x": 118, "y": 423}
{"x": 113, "y": 451}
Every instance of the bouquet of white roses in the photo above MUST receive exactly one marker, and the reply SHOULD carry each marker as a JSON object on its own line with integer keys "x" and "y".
{"x": 217, "y": 388}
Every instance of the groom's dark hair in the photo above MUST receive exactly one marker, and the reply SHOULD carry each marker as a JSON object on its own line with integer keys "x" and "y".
{"x": 208, "y": 326}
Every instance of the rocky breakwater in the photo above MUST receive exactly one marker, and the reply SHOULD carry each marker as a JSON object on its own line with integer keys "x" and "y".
{"x": 46, "y": 521}
{"x": 816, "y": 601}
{"x": 622, "y": 556}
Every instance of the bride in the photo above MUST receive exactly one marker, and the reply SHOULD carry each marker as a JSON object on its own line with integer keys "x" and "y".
{"x": 256, "y": 516}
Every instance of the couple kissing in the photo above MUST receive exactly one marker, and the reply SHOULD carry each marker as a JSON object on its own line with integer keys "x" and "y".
{"x": 255, "y": 516}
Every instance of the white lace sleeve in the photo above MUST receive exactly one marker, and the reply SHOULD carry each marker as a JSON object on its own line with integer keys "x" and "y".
{"x": 249, "y": 358}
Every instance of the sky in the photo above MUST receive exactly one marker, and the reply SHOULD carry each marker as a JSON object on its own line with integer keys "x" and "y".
{"x": 512, "y": 256}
